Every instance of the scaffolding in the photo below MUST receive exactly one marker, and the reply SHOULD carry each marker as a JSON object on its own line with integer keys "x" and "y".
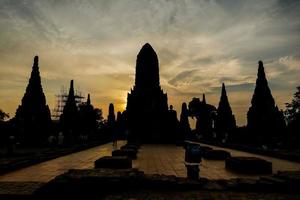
{"x": 61, "y": 100}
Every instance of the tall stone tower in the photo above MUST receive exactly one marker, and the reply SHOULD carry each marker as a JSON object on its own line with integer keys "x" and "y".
{"x": 225, "y": 120}
{"x": 265, "y": 121}
{"x": 33, "y": 119}
{"x": 147, "y": 104}
{"x": 111, "y": 118}
{"x": 184, "y": 125}
{"x": 69, "y": 119}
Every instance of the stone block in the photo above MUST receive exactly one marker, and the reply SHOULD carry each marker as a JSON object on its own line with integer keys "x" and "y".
{"x": 205, "y": 149}
{"x": 250, "y": 165}
{"x": 130, "y": 153}
{"x": 114, "y": 162}
{"x": 216, "y": 155}
{"x": 129, "y": 146}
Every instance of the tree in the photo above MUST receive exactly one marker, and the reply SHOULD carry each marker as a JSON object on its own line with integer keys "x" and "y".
{"x": 3, "y": 125}
{"x": 292, "y": 112}
{"x": 3, "y": 115}
{"x": 292, "y": 115}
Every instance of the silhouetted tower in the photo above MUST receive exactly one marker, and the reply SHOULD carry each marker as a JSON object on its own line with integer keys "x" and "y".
{"x": 88, "y": 121}
{"x": 147, "y": 104}
{"x": 61, "y": 100}
{"x": 265, "y": 121}
{"x": 203, "y": 99}
{"x": 69, "y": 120}
{"x": 111, "y": 122}
{"x": 184, "y": 125}
{"x": 147, "y": 70}
{"x": 119, "y": 125}
{"x": 173, "y": 123}
{"x": 33, "y": 118}
{"x": 204, "y": 123}
{"x": 225, "y": 121}
{"x": 119, "y": 116}
{"x": 111, "y": 118}
{"x": 88, "y": 101}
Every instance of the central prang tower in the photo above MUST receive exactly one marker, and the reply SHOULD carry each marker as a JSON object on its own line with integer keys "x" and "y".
{"x": 147, "y": 104}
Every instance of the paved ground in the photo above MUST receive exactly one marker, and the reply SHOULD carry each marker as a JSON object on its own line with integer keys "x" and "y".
{"x": 45, "y": 171}
{"x": 200, "y": 195}
{"x": 168, "y": 159}
{"x": 161, "y": 159}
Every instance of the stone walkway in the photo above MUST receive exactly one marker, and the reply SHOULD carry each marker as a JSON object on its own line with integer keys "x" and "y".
{"x": 160, "y": 159}
{"x": 200, "y": 195}
{"x": 169, "y": 159}
{"x": 46, "y": 171}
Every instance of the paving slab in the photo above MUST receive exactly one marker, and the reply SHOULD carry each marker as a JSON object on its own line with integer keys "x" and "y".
{"x": 152, "y": 159}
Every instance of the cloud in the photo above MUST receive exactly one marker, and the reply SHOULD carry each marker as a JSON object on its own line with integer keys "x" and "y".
{"x": 200, "y": 44}
{"x": 182, "y": 77}
{"x": 236, "y": 88}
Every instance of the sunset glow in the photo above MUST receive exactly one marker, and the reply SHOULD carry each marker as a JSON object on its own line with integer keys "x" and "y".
{"x": 200, "y": 44}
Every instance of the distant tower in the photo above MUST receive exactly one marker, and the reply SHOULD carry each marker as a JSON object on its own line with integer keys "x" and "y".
{"x": 184, "y": 125}
{"x": 88, "y": 101}
{"x": 88, "y": 118}
{"x": 203, "y": 99}
{"x": 61, "y": 100}
{"x": 225, "y": 121}
{"x": 265, "y": 121}
{"x": 111, "y": 118}
{"x": 33, "y": 119}
{"x": 70, "y": 117}
{"x": 147, "y": 104}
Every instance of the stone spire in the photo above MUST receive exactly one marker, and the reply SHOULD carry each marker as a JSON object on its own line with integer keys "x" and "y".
{"x": 34, "y": 91}
{"x": 111, "y": 118}
{"x": 33, "y": 115}
{"x": 203, "y": 99}
{"x": 147, "y": 114}
{"x": 224, "y": 103}
{"x": 69, "y": 119}
{"x": 88, "y": 101}
{"x": 262, "y": 94}
{"x": 225, "y": 122}
{"x": 184, "y": 125}
{"x": 87, "y": 117}
{"x": 71, "y": 102}
{"x": 147, "y": 70}
{"x": 264, "y": 118}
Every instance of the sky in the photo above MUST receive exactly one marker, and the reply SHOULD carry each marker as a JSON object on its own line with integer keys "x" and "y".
{"x": 200, "y": 44}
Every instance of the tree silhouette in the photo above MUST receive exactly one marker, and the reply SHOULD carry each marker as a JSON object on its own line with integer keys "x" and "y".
{"x": 225, "y": 120}
{"x": 3, "y": 126}
{"x": 3, "y": 115}
{"x": 292, "y": 114}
